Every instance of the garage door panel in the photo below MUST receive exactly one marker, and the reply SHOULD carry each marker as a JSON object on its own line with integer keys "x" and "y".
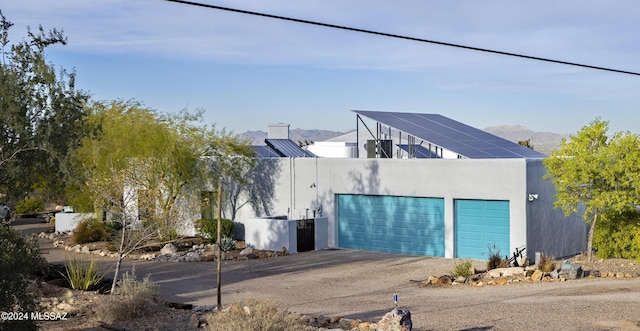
{"x": 405, "y": 225}
{"x": 480, "y": 224}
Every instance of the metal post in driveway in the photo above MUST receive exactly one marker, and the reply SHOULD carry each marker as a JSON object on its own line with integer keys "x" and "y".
{"x": 219, "y": 306}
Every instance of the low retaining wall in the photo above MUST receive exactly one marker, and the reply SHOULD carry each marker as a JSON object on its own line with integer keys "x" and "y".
{"x": 274, "y": 234}
{"x": 68, "y": 221}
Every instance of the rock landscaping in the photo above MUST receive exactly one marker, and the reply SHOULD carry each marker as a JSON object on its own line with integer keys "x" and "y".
{"x": 575, "y": 268}
{"x": 186, "y": 252}
{"x": 77, "y": 310}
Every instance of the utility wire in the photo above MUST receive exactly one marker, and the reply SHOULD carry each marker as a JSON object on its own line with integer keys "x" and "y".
{"x": 384, "y": 34}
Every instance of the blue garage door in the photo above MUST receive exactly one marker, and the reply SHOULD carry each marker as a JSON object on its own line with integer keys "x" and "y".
{"x": 405, "y": 225}
{"x": 479, "y": 224}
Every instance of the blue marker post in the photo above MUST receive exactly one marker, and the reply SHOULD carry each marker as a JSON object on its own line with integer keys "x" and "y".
{"x": 395, "y": 299}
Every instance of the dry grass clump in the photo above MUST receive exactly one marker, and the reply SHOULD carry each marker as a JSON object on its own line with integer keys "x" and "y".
{"x": 495, "y": 258}
{"x": 547, "y": 263}
{"x": 132, "y": 299}
{"x": 255, "y": 315}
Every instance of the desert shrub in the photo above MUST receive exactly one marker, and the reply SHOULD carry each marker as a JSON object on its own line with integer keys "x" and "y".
{"x": 30, "y": 206}
{"x": 208, "y": 228}
{"x": 255, "y": 315}
{"x": 168, "y": 234}
{"x": 113, "y": 227}
{"x": 90, "y": 230}
{"x": 131, "y": 299}
{"x": 83, "y": 276}
{"x": 462, "y": 268}
{"x": 547, "y": 263}
{"x": 495, "y": 258}
{"x": 20, "y": 264}
{"x": 618, "y": 236}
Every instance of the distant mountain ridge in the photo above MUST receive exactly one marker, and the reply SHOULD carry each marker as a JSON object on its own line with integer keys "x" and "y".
{"x": 543, "y": 142}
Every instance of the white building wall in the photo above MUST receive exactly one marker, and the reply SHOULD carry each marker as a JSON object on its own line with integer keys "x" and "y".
{"x": 333, "y": 149}
{"x": 308, "y": 184}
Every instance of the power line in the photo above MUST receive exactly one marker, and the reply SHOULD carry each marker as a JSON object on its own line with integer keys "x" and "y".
{"x": 391, "y": 35}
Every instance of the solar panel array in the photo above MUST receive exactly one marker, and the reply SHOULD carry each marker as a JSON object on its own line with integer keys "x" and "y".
{"x": 262, "y": 151}
{"x": 287, "y": 148}
{"x": 457, "y": 137}
{"x": 420, "y": 151}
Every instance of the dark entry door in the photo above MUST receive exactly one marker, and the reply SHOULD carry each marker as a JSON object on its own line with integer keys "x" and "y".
{"x": 306, "y": 235}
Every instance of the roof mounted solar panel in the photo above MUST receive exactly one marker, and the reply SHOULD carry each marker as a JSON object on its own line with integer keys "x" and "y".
{"x": 262, "y": 151}
{"x": 449, "y": 134}
{"x": 287, "y": 148}
{"x": 420, "y": 151}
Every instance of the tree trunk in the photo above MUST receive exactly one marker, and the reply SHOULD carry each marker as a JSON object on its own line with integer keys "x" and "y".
{"x": 120, "y": 256}
{"x": 590, "y": 237}
{"x": 115, "y": 273}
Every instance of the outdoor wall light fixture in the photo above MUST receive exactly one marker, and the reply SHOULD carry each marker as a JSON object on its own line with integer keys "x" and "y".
{"x": 532, "y": 197}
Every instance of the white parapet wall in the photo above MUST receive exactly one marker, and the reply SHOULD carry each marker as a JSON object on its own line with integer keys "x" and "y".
{"x": 68, "y": 221}
{"x": 270, "y": 234}
{"x": 321, "y": 232}
{"x": 275, "y": 234}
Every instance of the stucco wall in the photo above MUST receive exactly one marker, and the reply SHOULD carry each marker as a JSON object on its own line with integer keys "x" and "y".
{"x": 549, "y": 230}
{"x": 69, "y": 221}
{"x": 274, "y": 234}
{"x": 306, "y": 184}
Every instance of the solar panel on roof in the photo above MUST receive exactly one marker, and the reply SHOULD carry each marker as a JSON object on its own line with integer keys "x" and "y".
{"x": 287, "y": 148}
{"x": 265, "y": 152}
{"x": 421, "y": 152}
{"x": 452, "y": 135}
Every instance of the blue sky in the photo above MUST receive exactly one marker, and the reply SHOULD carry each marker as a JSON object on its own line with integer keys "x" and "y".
{"x": 247, "y": 71}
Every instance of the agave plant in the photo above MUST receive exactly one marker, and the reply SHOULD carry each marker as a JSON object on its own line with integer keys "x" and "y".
{"x": 227, "y": 244}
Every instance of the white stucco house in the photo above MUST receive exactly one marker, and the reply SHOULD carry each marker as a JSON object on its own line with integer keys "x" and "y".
{"x": 440, "y": 188}
{"x": 420, "y": 184}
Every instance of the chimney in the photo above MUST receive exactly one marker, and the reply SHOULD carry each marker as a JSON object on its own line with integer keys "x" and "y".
{"x": 278, "y": 131}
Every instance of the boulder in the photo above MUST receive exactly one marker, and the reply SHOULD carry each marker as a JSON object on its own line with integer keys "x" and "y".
{"x": 247, "y": 251}
{"x": 443, "y": 280}
{"x": 570, "y": 270}
{"x": 209, "y": 256}
{"x": 506, "y": 272}
{"x": 537, "y": 275}
{"x": 399, "y": 319}
{"x": 169, "y": 249}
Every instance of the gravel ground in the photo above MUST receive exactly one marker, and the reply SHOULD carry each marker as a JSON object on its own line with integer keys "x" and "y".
{"x": 359, "y": 285}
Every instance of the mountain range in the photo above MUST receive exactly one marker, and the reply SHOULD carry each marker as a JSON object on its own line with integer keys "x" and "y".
{"x": 543, "y": 142}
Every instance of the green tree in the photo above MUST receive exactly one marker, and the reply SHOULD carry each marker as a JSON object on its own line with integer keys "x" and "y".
{"x": 41, "y": 116}
{"x": 230, "y": 162}
{"x": 598, "y": 172}
{"x": 137, "y": 165}
{"x": 526, "y": 143}
{"x": 20, "y": 264}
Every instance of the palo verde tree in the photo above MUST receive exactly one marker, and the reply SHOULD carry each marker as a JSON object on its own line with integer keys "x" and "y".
{"x": 41, "y": 115}
{"x": 598, "y": 172}
{"x": 137, "y": 164}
